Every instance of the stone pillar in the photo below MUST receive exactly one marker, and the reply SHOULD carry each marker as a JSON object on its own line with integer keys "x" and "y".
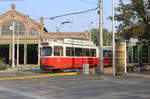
{"x": 10, "y": 54}
{"x": 25, "y": 54}
{"x": 120, "y": 56}
{"x": 39, "y": 53}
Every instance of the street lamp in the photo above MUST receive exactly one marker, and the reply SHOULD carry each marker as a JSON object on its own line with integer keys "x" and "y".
{"x": 62, "y": 23}
{"x": 13, "y": 44}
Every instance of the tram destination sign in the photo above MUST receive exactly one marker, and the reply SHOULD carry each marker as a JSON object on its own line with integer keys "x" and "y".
{"x": 78, "y": 42}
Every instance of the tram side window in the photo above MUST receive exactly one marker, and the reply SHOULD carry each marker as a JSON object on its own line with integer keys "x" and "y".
{"x": 78, "y": 52}
{"x": 69, "y": 51}
{"x": 86, "y": 52}
{"x": 46, "y": 51}
{"x": 93, "y": 52}
{"x": 107, "y": 53}
{"x": 58, "y": 51}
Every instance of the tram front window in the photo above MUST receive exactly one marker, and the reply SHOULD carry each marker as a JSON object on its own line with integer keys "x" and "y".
{"x": 46, "y": 51}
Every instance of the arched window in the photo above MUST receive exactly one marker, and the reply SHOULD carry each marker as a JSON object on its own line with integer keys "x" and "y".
{"x": 7, "y": 28}
{"x": 33, "y": 31}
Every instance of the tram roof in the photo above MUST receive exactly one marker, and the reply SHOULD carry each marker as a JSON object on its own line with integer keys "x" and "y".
{"x": 69, "y": 42}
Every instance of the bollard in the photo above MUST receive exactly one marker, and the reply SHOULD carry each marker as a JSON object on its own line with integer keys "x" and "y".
{"x": 85, "y": 69}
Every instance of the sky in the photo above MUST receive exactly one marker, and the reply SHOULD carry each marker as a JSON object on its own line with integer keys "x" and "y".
{"x": 50, "y": 8}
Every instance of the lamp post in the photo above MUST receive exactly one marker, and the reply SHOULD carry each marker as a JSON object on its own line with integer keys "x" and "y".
{"x": 13, "y": 44}
{"x": 113, "y": 37}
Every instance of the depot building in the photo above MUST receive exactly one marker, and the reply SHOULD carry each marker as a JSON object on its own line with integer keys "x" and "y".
{"x": 28, "y": 34}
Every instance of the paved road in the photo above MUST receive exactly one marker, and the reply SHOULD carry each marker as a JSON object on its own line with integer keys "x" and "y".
{"x": 122, "y": 88}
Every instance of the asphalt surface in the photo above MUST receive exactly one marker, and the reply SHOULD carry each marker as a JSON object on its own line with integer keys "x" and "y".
{"x": 88, "y": 89}
{"x": 133, "y": 86}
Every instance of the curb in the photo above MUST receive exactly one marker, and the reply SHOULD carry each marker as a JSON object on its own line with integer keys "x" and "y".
{"x": 38, "y": 76}
{"x": 141, "y": 76}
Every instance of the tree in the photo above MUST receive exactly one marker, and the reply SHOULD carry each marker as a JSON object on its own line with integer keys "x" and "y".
{"x": 107, "y": 36}
{"x": 134, "y": 19}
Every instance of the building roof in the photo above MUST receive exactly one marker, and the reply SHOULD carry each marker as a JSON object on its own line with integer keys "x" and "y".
{"x": 71, "y": 35}
{"x": 13, "y": 15}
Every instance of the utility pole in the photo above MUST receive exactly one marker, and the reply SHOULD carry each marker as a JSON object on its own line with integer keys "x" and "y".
{"x": 113, "y": 38}
{"x": 100, "y": 36}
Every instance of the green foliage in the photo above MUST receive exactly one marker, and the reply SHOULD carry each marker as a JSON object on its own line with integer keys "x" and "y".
{"x": 134, "y": 19}
{"x": 2, "y": 64}
{"x": 1, "y": 61}
{"x": 107, "y": 36}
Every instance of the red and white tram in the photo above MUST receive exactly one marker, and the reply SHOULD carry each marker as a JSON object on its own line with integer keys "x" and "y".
{"x": 68, "y": 54}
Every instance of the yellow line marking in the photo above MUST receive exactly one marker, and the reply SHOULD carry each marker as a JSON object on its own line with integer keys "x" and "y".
{"x": 38, "y": 76}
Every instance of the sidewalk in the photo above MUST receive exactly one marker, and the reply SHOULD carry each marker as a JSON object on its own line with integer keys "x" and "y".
{"x": 143, "y": 74}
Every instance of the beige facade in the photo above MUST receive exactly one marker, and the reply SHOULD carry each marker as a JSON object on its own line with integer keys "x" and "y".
{"x": 29, "y": 32}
